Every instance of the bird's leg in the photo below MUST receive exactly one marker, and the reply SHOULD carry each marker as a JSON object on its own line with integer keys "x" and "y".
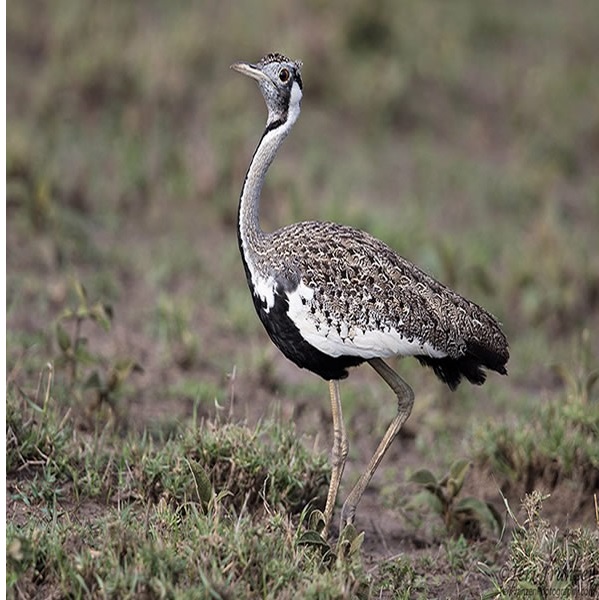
{"x": 405, "y": 401}
{"x": 338, "y": 454}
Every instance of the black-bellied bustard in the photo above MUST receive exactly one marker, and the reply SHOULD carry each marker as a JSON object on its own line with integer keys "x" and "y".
{"x": 332, "y": 297}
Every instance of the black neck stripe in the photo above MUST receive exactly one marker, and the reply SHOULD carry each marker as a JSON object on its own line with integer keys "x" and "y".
{"x": 274, "y": 125}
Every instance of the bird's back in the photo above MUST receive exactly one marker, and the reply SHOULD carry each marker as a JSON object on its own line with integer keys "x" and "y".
{"x": 347, "y": 296}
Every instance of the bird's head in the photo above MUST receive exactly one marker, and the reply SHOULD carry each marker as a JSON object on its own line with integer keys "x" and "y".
{"x": 280, "y": 82}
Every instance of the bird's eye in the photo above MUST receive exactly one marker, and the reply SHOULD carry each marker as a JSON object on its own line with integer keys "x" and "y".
{"x": 284, "y": 75}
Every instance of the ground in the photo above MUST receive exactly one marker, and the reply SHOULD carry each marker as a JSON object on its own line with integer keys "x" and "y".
{"x": 466, "y": 137}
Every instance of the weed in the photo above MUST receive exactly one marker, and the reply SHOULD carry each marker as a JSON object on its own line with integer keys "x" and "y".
{"x": 347, "y": 548}
{"x": 464, "y": 517}
{"x": 268, "y": 464}
{"x": 73, "y": 348}
{"x": 545, "y": 562}
{"x": 398, "y": 578}
{"x": 86, "y": 370}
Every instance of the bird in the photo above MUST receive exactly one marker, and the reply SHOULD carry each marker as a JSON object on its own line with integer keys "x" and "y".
{"x": 332, "y": 296}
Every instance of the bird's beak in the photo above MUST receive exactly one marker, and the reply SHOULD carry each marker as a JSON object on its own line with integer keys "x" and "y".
{"x": 250, "y": 70}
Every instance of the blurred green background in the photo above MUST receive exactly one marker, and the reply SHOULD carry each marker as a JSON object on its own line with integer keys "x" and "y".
{"x": 464, "y": 134}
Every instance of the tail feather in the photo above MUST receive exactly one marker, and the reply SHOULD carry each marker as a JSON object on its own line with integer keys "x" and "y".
{"x": 471, "y": 365}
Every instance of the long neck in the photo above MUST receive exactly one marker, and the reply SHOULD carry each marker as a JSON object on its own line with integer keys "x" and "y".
{"x": 248, "y": 218}
{"x": 251, "y": 237}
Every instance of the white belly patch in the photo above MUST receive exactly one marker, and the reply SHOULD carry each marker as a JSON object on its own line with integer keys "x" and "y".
{"x": 344, "y": 339}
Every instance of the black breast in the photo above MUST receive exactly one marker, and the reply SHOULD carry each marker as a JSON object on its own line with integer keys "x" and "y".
{"x": 288, "y": 340}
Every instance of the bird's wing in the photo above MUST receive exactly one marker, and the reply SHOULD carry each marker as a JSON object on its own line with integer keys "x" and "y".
{"x": 350, "y": 294}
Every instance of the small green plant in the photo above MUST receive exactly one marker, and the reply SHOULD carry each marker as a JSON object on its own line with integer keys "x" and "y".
{"x": 107, "y": 385}
{"x": 347, "y": 548}
{"x": 466, "y": 516}
{"x": 73, "y": 347}
{"x": 85, "y": 369}
{"x": 398, "y": 577}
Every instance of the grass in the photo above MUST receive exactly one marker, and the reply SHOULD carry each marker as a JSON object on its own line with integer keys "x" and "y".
{"x": 211, "y": 508}
{"x": 169, "y": 553}
{"x": 464, "y": 136}
{"x": 268, "y": 463}
{"x": 554, "y": 441}
{"x": 142, "y": 516}
{"x": 544, "y": 561}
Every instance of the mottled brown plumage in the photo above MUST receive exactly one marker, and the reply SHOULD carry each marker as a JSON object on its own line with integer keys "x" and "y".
{"x": 361, "y": 283}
